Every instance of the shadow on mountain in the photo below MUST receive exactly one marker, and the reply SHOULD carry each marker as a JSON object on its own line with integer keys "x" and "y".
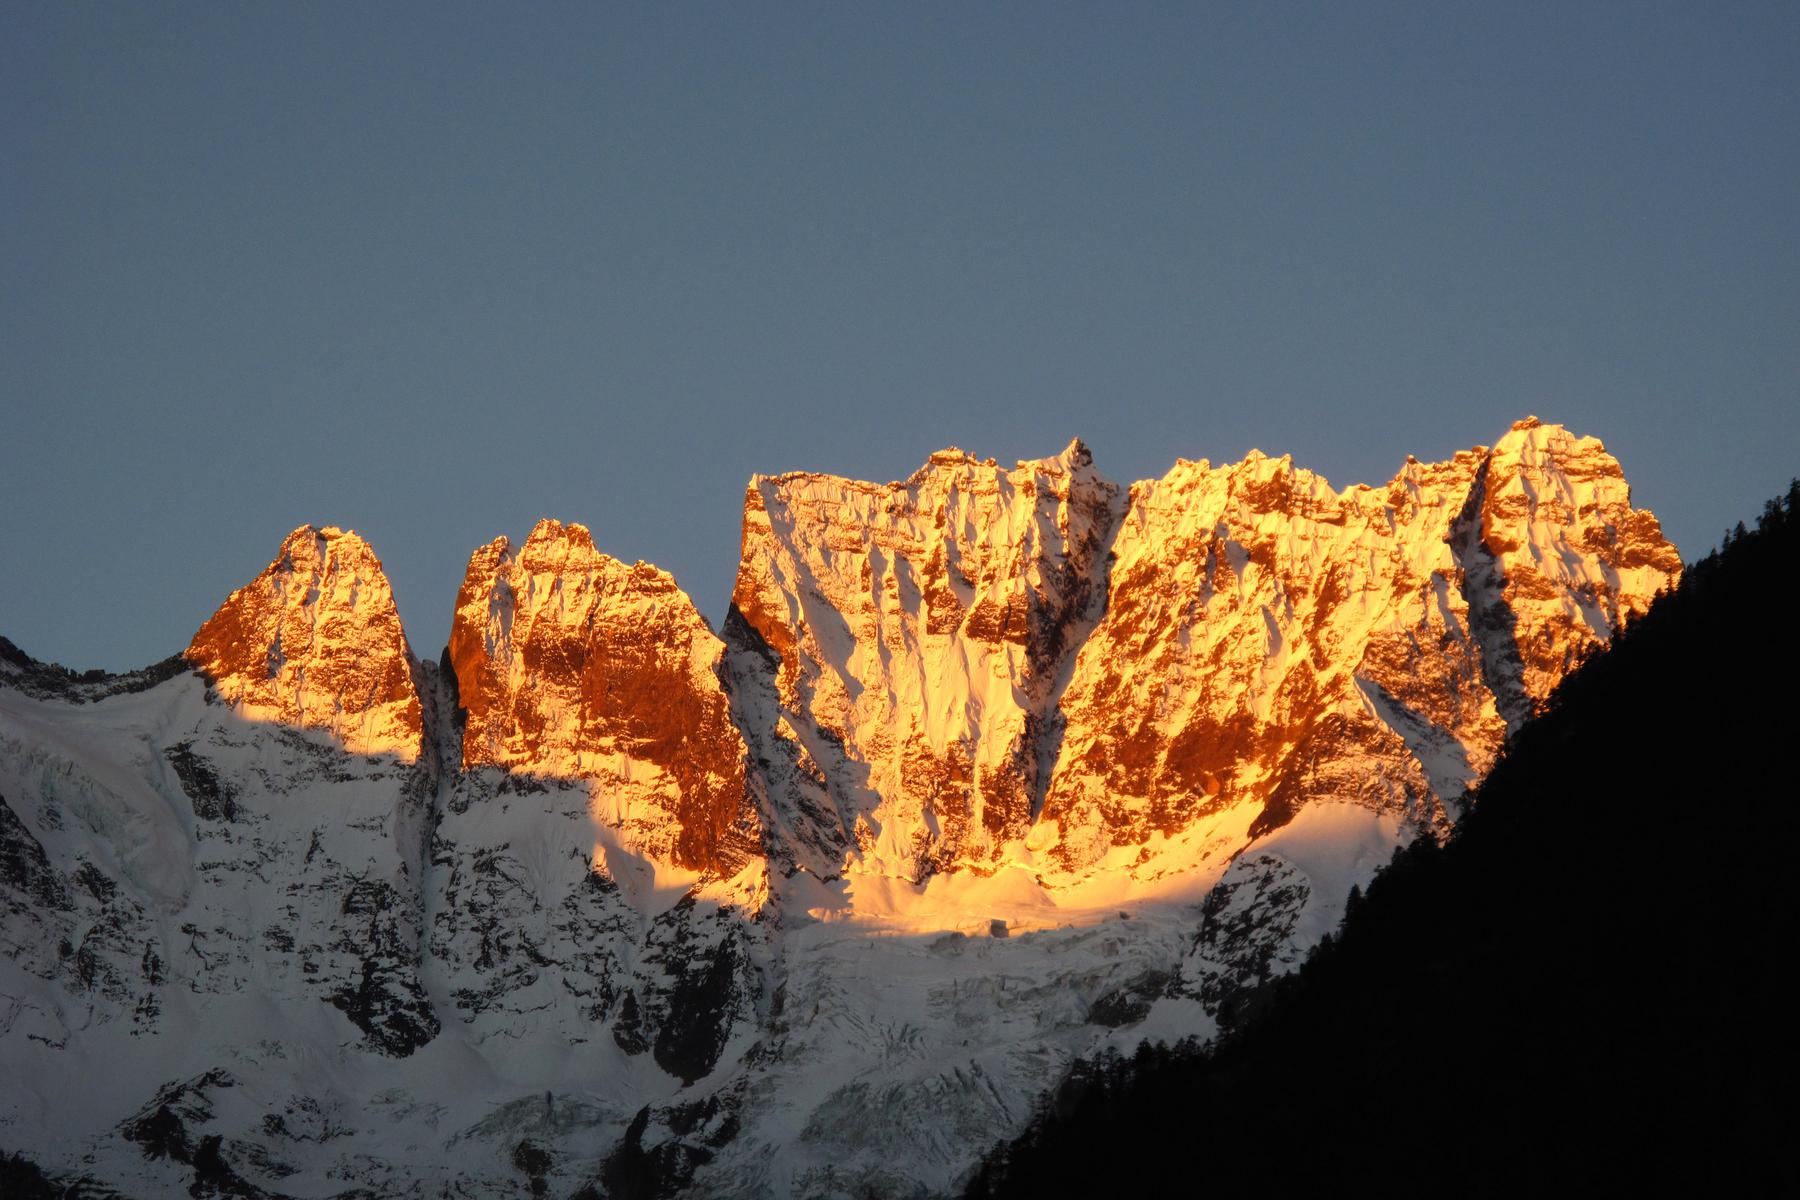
{"x": 1491, "y": 618}
{"x": 367, "y": 844}
{"x": 52, "y": 681}
{"x": 1582, "y": 989}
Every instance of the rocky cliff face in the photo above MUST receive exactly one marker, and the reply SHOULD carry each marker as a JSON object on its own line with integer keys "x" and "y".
{"x": 942, "y": 673}
{"x": 597, "y": 860}
{"x": 274, "y": 951}
{"x": 1556, "y": 558}
{"x": 917, "y": 634}
{"x": 993, "y": 769}
{"x": 1284, "y": 682}
{"x": 315, "y": 642}
{"x": 572, "y": 665}
{"x": 1260, "y": 629}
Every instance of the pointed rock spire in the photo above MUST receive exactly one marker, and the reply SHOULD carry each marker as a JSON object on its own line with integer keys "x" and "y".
{"x": 315, "y": 641}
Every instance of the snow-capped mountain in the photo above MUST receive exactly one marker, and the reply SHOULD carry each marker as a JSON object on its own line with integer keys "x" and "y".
{"x": 990, "y": 769}
{"x": 315, "y": 642}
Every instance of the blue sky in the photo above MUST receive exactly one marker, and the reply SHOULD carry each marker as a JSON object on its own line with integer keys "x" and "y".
{"x": 433, "y": 272}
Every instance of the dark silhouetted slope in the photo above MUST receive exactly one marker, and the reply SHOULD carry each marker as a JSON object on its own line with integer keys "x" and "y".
{"x": 1585, "y": 987}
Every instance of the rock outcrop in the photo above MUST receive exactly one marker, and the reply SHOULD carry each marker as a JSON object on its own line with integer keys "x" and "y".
{"x": 1271, "y": 642}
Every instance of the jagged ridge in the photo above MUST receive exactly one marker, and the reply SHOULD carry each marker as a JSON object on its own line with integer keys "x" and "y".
{"x": 638, "y": 857}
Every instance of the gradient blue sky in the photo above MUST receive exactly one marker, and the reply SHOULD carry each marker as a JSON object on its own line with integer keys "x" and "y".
{"x": 434, "y": 272}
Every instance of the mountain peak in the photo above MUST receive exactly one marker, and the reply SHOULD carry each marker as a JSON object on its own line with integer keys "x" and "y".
{"x": 572, "y": 537}
{"x": 575, "y": 666}
{"x": 353, "y": 542}
{"x": 1074, "y": 457}
{"x": 1553, "y": 543}
{"x": 916, "y": 632}
{"x": 315, "y": 641}
{"x": 954, "y": 456}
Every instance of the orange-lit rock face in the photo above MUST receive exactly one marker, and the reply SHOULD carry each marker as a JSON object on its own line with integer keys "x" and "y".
{"x": 1553, "y": 533}
{"x": 1271, "y": 641}
{"x": 979, "y": 666}
{"x": 314, "y": 641}
{"x": 1263, "y": 638}
{"x": 977, "y": 659}
{"x": 572, "y": 664}
{"x": 918, "y": 631}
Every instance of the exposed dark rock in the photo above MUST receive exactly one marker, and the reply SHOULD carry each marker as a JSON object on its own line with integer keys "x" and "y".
{"x": 628, "y": 1030}
{"x": 25, "y": 871}
{"x": 1129, "y": 1002}
{"x": 22, "y": 1179}
{"x": 705, "y": 966}
{"x": 212, "y": 798}
{"x": 385, "y": 1000}
{"x": 691, "y": 1135}
{"x": 534, "y": 1162}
